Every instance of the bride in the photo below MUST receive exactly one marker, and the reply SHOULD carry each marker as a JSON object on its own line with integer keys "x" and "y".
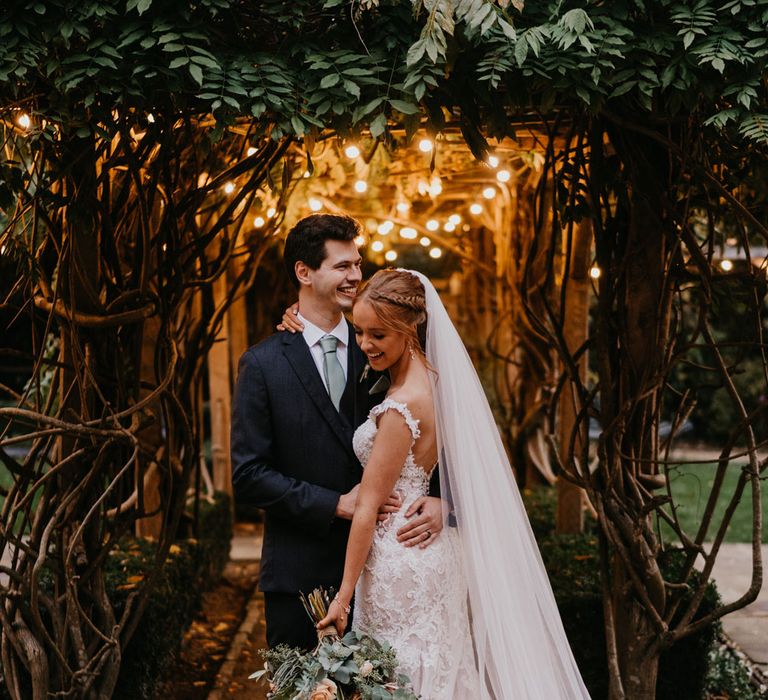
{"x": 473, "y": 614}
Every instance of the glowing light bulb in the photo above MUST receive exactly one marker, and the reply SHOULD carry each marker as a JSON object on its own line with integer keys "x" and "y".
{"x": 403, "y": 207}
{"x": 489, "y": 192}
{"x": 315, "y": 204}
{"x": 306, "y": 173}
{"x": 426, "y": 242}
{"x": 726, "y": 265}
{"x": 476, "y": 209}
{"x": 229, "y": 188}
{"x": 435, "y": 186}
{"x": 390, "y": 256}
{"x": 352, "y": 151}
{"x": 259, "y": 222}
{"x": 426, "y": 145}
{"x": 595, "y": 272}
{"x": 433, "y": 225}
{"x": 359, "y": 241}
{"x": 151, "y": 118}
{"x": 24, "y": 121}
{"x": 408, "y": 232}
{"x": 449, "y": 226}
{"x": 251, "y": 151}
{"x": 493, "y": 161}
{"x": 385, "y": 227}
{"x": 435, "y": 253}
{"x": 271, "y": 212}
{"x": 455, "y": 219}
{"x": 361, "y": 186}
{"x": 377, "y": 246}
{"x": 503, "y": 175}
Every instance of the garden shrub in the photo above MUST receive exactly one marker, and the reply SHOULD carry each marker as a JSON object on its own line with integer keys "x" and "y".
{"x": 572, "y": 563}
{"x": 193, "y": 566}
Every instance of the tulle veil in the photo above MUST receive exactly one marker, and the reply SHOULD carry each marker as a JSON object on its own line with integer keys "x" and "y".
{"x": 521, "y": 648}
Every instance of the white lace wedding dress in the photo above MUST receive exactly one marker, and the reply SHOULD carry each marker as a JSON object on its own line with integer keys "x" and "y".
{"x": 413, "y": 598}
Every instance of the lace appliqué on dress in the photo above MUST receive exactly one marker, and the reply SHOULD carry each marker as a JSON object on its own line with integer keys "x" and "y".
{"x": 416, "y": 599}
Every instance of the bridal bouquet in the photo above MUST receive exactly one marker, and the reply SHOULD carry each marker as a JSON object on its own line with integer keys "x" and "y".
{"x": 353, "y": 667}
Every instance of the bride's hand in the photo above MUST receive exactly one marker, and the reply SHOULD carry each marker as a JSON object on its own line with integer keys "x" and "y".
{"x": 337, "y": 616}
{"x": 290, "y": 323}
{"x": 391, "y": 505}
{"x": 426, "y": 524}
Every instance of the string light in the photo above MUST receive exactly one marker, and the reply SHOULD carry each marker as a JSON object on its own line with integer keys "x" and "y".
{"x": 433, "y": 225}
{"x": 403, "y": 207}
{"x": 726, "y": 265}
{"x": 503, "y": 175}
{"x": 377, "y": 246}
{"x": 435, "y": 253}
{"x": 595, "y": 272}
{"x": 426, "y": 242}
{"x": 493, "y": 161}
{"x": 449, "y": 226}
{"x": 489, "y": 192}
{"x": 251, "y": 151}
{"x": 435, "y": 186}
{"x": 306, "y": 173}
{"x": 359, "y": 241}
{"x": 408, "y": 232}
{"x": 426, "y": 145}
{"x": 259, "y": 222}
{"x": 385, "y": 227}
{"x": 361, "y": 186}
{"x": 390, "y": 256}
{"x": 229, "y": 188}
{"x": 151, "y": 118}
{"x": 476, "y": 209}
{"x": 315, "y": 204}
{"x": 271, "y": 212}
{"x": 352, "y": 151}
{"x": 455, "y": 219}
{"x": 24, "y": 120}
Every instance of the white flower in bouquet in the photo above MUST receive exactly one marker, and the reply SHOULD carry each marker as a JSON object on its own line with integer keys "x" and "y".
{"x": 366, "y": 668}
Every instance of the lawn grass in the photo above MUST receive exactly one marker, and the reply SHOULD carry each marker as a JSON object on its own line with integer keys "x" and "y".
{"x": 691, "y": 485}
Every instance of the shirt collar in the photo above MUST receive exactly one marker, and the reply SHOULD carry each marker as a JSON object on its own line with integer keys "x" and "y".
{"x": 312, "y": 333}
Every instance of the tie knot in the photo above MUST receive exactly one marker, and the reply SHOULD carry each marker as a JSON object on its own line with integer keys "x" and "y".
{"x": 329, "y": 343}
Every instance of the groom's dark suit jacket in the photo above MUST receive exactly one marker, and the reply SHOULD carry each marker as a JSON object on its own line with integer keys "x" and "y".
{"x": 292, "y": 456}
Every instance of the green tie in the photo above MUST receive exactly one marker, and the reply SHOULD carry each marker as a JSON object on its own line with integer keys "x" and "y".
{"x": 334, "y": 374}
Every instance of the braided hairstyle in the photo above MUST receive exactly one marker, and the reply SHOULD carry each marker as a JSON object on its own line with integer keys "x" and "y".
{"x": 398, "y": 299}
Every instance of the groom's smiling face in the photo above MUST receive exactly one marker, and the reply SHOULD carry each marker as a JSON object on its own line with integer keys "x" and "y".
{"x": 336, "y": 281}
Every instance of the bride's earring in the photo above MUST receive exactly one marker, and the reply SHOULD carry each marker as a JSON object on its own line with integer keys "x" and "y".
{"x": 412, "y": 351}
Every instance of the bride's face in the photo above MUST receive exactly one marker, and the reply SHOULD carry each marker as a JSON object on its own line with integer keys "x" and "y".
{"x": 383, "y": 346}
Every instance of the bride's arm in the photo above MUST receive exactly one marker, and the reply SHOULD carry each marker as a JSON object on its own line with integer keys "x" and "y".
{"x": 390, "y": 450}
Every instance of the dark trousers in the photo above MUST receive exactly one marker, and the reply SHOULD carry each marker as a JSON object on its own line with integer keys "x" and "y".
{"x": 288, "y": 622}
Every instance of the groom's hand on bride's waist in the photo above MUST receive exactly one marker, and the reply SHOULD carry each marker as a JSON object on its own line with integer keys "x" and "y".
{"x": 425, "y": 524}
{"x": 345, "y": 508}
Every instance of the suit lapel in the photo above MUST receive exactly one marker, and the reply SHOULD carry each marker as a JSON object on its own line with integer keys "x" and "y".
{"x": 298, "y": 355}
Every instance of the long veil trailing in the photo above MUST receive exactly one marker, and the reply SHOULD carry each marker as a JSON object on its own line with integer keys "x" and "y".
{"x": 521, "y": 647}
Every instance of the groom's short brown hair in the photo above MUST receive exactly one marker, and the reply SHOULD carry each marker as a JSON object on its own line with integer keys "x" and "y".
{"x": 306, "y": 240}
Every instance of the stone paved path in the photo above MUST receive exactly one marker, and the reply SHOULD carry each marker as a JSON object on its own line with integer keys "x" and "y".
{"x": 748, "y": 627}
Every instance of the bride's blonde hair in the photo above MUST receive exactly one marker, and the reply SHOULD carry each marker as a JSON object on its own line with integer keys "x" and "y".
{"x": 398, "y": 299}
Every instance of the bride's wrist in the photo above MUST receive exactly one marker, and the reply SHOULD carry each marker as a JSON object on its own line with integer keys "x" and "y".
{"x": 346, "y": 607}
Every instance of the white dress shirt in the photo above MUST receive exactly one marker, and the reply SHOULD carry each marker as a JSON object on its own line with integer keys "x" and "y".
{"x": 312, "y": 335}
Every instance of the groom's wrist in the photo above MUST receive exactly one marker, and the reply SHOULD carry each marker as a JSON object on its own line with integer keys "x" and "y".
{"x": 345, "y": 507}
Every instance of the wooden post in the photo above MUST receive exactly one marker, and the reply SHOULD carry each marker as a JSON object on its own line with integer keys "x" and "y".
{"x": 219, "y": 391}
{"x": 570, "y": 498}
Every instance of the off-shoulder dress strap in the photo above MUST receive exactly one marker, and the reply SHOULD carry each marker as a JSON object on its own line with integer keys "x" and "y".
{"x": 402, "y": 409}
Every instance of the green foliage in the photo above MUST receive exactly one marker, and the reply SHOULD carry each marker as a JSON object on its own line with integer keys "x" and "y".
{"x": 572, "y": 563}
{"x": 729, "y": 678}
{"x": 303, "y": 66}
{"x": 193, "y": 567}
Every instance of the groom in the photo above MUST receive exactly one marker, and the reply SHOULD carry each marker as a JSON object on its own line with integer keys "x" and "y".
{"x": 298, "y": 400}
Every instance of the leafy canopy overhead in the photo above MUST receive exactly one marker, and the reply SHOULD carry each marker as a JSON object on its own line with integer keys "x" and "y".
{"x": 307, "y": 65}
